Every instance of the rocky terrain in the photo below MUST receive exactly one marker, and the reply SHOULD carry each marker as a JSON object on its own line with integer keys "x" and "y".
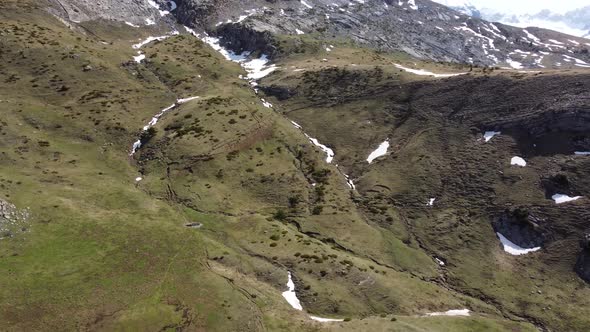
{"x": 290, "y": 166}
{"x": 421, "y": 28}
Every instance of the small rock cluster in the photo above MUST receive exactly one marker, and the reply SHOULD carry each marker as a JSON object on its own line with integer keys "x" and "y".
{"x": 12, "y": 220}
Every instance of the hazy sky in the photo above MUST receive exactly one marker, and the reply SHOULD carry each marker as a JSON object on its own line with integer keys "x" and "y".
{"x": 531, "y": 6}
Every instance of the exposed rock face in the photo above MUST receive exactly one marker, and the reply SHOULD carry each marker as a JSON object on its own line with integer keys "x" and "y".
{"x": 425, "y": 30}
{"x": 558, "y": 183}
{"x": 582, "y": 267}
{"x": 281, "y": 93}
{"x": 240, "y": 38}
{"x": 199, "y": 13}
{"x": 520, "y": 228}
{"x": 138, "y": 12}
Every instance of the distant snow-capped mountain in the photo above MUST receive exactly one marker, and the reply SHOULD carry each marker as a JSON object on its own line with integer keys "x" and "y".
{"x": 575, "y": 22}
{"x": 462, "y": 6}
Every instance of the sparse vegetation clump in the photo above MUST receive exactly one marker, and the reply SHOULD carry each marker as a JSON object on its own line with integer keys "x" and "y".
{"x": 280, "y": 215}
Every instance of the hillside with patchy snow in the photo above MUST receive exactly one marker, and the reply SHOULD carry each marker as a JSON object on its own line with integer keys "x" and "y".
{"x": 304, "y": 165}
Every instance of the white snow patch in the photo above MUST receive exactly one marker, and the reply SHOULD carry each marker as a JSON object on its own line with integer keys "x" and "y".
{"x": 139, "y": 178}
{"x": 325, "y": 320}
{"x": 531, "y": 36}
{"x": 556, "y": 42}
{"x": 561, "y": 198}
{"x": 139, "y": 58}
{"x": 291, "y": 296}
{"x": 379, "y": 152}
{"x": 292, "y": 299}
{"x": 299, "y": 32}
{"x": 149, "y": 21}
{"x": 460, "y": 312}
{"x": 135, "y": 147}
{"x": 152, "y": 39}
{"x": 186, "y": 100}
{"x": 518, "y": 161}
{"x": 329, "y": 152}
{"x": 488, "y": 135}
{"x": 131, "y": 24}
{"x": 431, "y": 202}
{"x": 266, "y": 103}
{"x": 306, "y": 4}
{"x": 349, "y": 182}
{"x": 514, "y": 64}
{"x": 439, "y": 261}
{"x": 512, "y": 248}
{"x": 582, "y": 153}
{"x": 256, "y": 68}
{"x": 571, "y": 58}
{"x": 157, "y": 117}
{"x": 155, "y": 5}
{"x": 296, "y": 125}
{"x": 423, "y": 72}
{"x": 259, "y": 68}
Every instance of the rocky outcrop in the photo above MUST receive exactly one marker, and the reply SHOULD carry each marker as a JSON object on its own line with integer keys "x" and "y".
{"x": 279, "y": 92}
{"x": 426, "y": 30}
{"x": 558, "y": 183}
{"x": 198, "y": 13}
{"x": 520, "y": 227}
{"x": 12, "y": 220}
{"x": 242, "y": 38}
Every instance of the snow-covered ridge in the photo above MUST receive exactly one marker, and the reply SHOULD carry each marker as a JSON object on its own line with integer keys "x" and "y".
{"x": 571, "y": 23}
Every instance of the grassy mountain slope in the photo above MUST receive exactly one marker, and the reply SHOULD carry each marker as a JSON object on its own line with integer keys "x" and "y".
{"x": 435, "y": 130}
